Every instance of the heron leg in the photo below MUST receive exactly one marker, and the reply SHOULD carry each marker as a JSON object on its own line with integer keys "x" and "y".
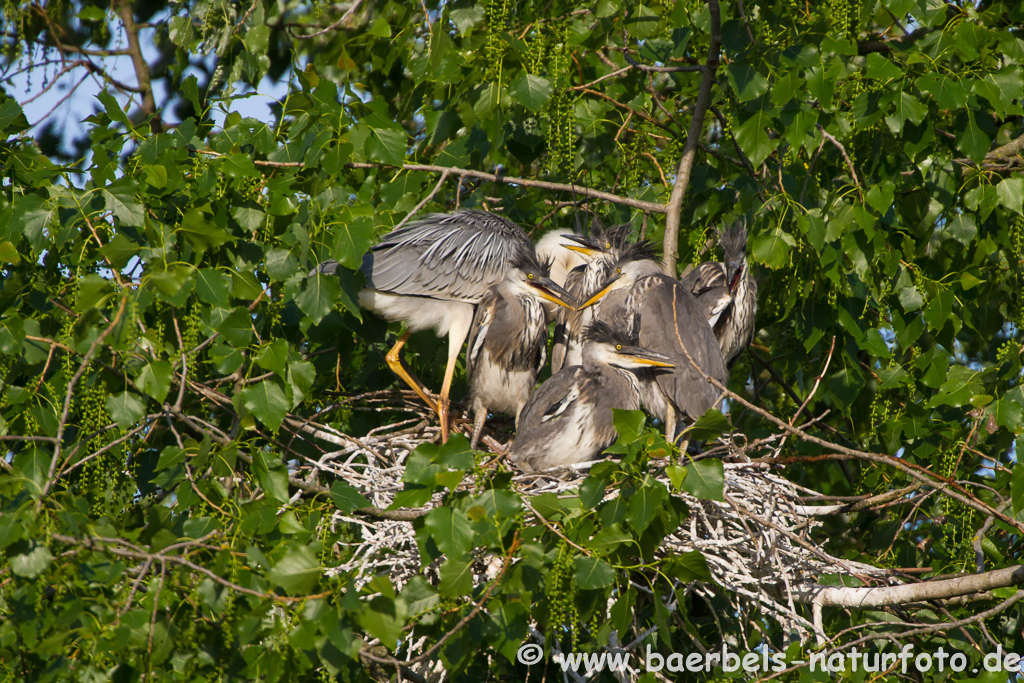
{"x": 443, "y": 404}
{"x": 397, "y": 365}
{"x": 479, "y": 417}
{"x": 670, "y": 423}
{"x": 458, "y": 329}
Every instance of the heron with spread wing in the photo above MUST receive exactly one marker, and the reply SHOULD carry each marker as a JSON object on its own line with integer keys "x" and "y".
{"x": 432, "y": 274}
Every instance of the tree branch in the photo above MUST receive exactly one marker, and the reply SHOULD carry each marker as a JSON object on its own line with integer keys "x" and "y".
{"x": 525, "y": 182}
{"x": 141, "y": 67}
{"x": 672, "y": 211}
{"x": 883, "y": 596}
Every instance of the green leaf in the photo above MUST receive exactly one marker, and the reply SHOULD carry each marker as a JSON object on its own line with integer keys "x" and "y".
{"x": 281, "y": 264}
{"x": 234, "y": 325}
{"x": 593, "y": 573}
{"x": 746, "y": 81}
{"x": 266, "y": 401}
{"x": 676, "y": 475}
{"x": 645, "y": 503}
{"x": 121, "y": 201}
{"x": 272, "y": 475}
{"x": 939, "y": 309}
{"x": 591, "y": 492}
{"x": 753, "y": 138}
{"x": 451, "y": 530}
{"x": 212, "y": 287}
{"x": 347, "y": 498}
{"x": 30, "y": 563}
{"x": 971, "y": 139}
{"x": 880, "y": 196}
{"x": 256, "y": 39}
{"x": 154, "y": 379}
{"x": 607, "y": 539}
{"x": 383, "y": 617}
{"x": 297, "y": 571}
{"x": 962, "y": 384}
{"x": 881, "y": 68}
{"x": 1011, "y": 192}
{"x": 773, "y": 249}
{"x": 949, "y": 94}
{"x": 687, "y": 567}
{"x": 456, "y": 578}
{"x": 709, "y": 426}
{"x": 318, "y": 297}
{"x": 962, "y": 228}
{"x": 906, "y": 107}
{"x": 629, "y": 424}
{"x": 705, "y": 479}
{"x": 1017, "y": 488}
{"x": 353, "y": 239}
{"x": 250, "y": 218}
{"x": 387, "y": 146}
{"x": 531, "y": 91}
{"x": 125, "y": 408}
{"x": 274, "y": 357}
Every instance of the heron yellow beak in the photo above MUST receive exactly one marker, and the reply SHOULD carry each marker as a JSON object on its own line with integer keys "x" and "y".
{"x": 649, "y": 361}
{"x": 599, "y": 295}
{"x": 584, "y": 245}
{"x": 548, "y": 289}
{"x": 586, "y": 251}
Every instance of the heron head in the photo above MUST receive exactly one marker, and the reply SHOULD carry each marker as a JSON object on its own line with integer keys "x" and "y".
{"x": 734, "y": 273}
{"x": 613, "y": 346}
{"x": 624, "y": 275}
{"x": 589, "y": 247}
{"x": 532, "y": 277}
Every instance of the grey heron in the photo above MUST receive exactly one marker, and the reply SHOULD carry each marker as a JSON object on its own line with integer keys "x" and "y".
{"x": 601, "y": 252}
{"x": 734, "y": 328}
{"x": 667, "y": 319}
{"x": 507, "y": 342}
{"x": 568, "y": 419}
{"x": 556, "y": 248}
{"x": 431, "y": 274}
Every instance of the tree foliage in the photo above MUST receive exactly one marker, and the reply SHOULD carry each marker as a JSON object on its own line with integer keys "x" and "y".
{"x": 176, "y": 386}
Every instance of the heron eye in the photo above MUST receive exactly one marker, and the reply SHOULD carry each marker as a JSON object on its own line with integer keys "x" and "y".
{"x": 529, "y": 275}
{"x": 618, "y": 347}
{"x": 607, "y": 245}
{"x": 619, "y": 271}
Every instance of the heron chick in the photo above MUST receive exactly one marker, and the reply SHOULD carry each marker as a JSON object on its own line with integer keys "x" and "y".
{"x": 568, "y": 419}
{"x": 667, "y": 319}
{"x": 713, "y": 280}
{"x": 602, "y": 251}
{"x": 507, "y": 340}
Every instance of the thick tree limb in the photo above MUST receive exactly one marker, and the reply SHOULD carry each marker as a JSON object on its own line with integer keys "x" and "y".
{"x": 912, "y": 592}
{"x": 139, "y": 62}
{"x": 675, "y": 202}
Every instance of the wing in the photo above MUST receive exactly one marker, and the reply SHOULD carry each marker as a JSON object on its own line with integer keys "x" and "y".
{"x": 446, "y": 256}
{"x": 552, "y": 398}
{"x": 704, "y": 276}
{"x": 482, "y": 319}
{"x": 568, "y": 323}
{"x": 671, "y": 320}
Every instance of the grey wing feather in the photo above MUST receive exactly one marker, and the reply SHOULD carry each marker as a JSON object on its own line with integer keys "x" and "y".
{"x": 669, "y": 318}
{"x": 550, "y": 396}
{"x": 704, "y": 276}
{"x": 446, "y": 256}
{"x": 482, "y": 319}
{"x": 568, "y": 323}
